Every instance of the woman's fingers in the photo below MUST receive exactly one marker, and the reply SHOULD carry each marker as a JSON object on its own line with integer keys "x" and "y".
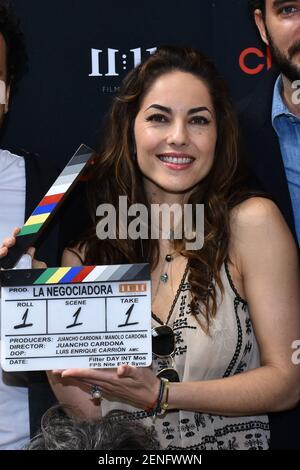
{"x": 31, "y": 251}
{"x": 38, "y": 264}
{"x": 126, "y": 371}
{"x": 11, "y": 241}
{"x": 86, "y": 383}
{"x": 135, "y": 386}
{"x": 8, "y": 242}
{"x": 16, "y": 231}
{"x": 35, "y": 263}
{"x": 91, "y": 374}
{"x": 102, "y": 374}
{"x": 3, "y": 251}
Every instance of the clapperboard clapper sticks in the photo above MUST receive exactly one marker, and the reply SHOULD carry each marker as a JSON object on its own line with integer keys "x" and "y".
{"x": 49, "y": 206}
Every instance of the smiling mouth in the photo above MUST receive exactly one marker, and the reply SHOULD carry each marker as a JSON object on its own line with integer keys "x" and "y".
{"x": 176, "y": 159}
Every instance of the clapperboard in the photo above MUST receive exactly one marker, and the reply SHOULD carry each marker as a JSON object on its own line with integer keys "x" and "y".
{"x": 56, "y": 318}
{"x": 92, "y": 316}
{"x": 49, "y": 205}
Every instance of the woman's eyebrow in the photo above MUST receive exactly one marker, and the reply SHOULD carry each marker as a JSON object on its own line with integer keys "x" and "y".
{"x": 198, "y": 110}
{"x": 161, "y": 108}
{"x": 281, "y": 3}
{"x": 169, "y": 111}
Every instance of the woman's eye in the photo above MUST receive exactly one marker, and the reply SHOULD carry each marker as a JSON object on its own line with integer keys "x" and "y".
{"x": 200, "y": 120}
{"x": 157, "y": 118}
{"x": 288, "y": 10}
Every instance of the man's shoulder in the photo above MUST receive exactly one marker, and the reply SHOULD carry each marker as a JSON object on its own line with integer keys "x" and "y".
{"x": 7, "y": 157}
{"x": 38, "y": 170}
{"x": 36, "y": 162}
{"x": 31, "y": 158}
{"x": 39, "y": 174}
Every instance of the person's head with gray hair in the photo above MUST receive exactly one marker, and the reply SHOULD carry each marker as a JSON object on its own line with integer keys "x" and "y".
{"x": 115, "y": 431}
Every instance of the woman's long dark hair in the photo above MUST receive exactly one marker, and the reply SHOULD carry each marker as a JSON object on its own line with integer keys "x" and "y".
{"x": 116, "y": 174}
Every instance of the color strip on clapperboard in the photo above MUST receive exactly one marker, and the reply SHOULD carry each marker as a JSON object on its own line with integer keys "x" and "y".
{"x": 76, "y": 275}
{"x": 48, "y": 206}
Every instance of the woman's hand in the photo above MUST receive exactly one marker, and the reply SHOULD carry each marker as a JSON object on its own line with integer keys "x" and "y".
{"x": 138, "y": 387}
{"x": 35, "y": 263}
{"x": 9, "y": 242}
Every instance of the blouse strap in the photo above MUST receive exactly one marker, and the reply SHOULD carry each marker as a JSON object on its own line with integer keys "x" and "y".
{"x": 178, "y": 292}
{"x": 231, "y": 283}
{"x": 77, "y": 254}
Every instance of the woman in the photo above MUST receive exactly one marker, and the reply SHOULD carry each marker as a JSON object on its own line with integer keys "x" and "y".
{"x": 233, "y": 306}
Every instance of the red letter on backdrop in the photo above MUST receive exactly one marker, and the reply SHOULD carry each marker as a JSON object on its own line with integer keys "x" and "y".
{"x": 244, "y": 54}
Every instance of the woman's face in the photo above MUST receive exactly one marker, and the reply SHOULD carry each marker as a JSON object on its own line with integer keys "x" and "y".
{"x": 175, "y": 133}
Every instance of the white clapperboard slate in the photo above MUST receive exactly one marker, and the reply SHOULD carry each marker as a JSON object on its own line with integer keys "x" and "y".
{"x": 87, "y": 316}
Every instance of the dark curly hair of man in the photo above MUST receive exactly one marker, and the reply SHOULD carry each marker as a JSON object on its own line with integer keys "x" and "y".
{"x": 257, "y": 5}
{"x": 15, "y": 43}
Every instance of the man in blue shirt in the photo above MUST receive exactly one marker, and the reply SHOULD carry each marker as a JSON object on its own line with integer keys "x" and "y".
{"x": 287, "y": 126}
{"x": 270, "y": 125}
{"x": 271, "y": 116}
